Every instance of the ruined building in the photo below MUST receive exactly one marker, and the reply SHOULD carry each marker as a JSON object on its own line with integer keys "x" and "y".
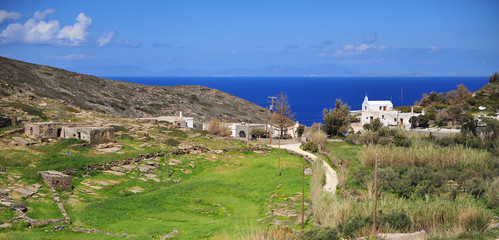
{"x": 50, "y": 130}
{"x": 57, "y": 179}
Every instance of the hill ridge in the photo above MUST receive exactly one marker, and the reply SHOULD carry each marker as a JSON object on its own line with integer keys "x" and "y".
{"x": 126, "y": 99}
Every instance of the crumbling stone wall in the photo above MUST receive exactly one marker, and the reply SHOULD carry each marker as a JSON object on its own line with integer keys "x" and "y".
{"x": 57, "y": 179}
{"x": 93, "y": 135}
{"x": 7, "y": 121}
{"x": 243, "y": 130}
{"x": 43, "y": 129}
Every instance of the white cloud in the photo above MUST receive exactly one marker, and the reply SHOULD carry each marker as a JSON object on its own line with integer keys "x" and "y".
{"x": 105, "y": 38}
{"x": 362, "y": 47}
{"x": 4, "y": 15}
{"x": 38, "y": 31}
{"x": 432, "y": 49}
{"x": 77, "y": 33}
{"x": 348, "y": 47}
{"x": 71, "y": 57}
{"x": 127, "y": 43}
{"x": 42, "y": 15}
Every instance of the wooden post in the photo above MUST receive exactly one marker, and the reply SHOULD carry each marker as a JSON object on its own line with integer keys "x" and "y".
{"x": 279, "y": 156}
{"x": 303, "y": 196}
{"x": 375, "y": 192}
{"x": 167, "y": 152}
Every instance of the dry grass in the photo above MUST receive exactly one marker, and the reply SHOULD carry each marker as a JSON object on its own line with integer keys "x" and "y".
{"x": 434, "y": 215}
{"x": 421, "y": 154}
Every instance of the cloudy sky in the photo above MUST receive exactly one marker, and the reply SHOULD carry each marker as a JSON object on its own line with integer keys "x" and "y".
{"x": 452, "y": 37}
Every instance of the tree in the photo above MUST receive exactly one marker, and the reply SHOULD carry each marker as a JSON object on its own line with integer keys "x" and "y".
{"x": 300, "y": 130}
{"x": 420, "y": 121}
{"x": 216, "y": 127}
{"x": 283, "y": 117}
{"x": 494, "y": 78}
{"x": 336, "y": 121}
{"x": 258, "y": 133}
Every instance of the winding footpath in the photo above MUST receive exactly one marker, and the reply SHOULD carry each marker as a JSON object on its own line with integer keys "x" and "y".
{"x": 331, "y": 176}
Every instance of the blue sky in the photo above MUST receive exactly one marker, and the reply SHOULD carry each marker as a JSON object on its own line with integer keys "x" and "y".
{"x": 452, "y": 37}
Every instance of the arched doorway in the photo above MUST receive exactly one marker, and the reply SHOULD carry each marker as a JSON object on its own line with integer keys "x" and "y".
{"x": 242, "y": 134}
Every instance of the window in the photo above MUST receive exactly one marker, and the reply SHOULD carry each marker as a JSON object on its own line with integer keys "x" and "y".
{"x": 382, "y": 116}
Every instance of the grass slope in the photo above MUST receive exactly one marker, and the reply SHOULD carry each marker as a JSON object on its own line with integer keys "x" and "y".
{"x": 222, "y": 199}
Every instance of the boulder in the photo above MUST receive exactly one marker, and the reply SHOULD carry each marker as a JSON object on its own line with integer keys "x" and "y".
{"x": 57, "y": 179}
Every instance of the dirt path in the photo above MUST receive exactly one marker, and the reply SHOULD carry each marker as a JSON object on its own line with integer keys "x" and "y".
{"x": 331, "y": 176}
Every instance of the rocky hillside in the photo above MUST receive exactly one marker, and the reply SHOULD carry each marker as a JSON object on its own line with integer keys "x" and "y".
{"x": 128, "y": 99}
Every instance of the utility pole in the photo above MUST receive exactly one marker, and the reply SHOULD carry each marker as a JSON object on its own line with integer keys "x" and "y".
{"x": 303, "y": 196}
{"x": 167, "y": 152}
{"x": 375, "y": 192}
{"x": 271, "y": 108}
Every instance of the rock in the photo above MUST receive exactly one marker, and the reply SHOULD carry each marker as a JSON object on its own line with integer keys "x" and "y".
{"x": 172, "y": 164}
{"x": 259, "y": 152}
{"x": 142, "y": 179}
{"x": 57, "y": 179}
{"x": 129, "y": 167}
{"x": 116, "y": 168}
{"x": 58, "y": 227}
{"x": 169, "y": 235}
{"x": 114, "y": 173}
{"x": 175, "y": 161}
{"x": 6, "y": 225}
{"x": 20, "y": 206}
{"x": 402, "y": 236}
{"x": 146, "y": 168}
{"x": 136, "y": 189}
{"x": 192, "y": 165}
{"x": 308, "y": 171}
{"x": 151, "y": 163}
{"x": 28, "y": 191}
{"x": 23, "y": 141}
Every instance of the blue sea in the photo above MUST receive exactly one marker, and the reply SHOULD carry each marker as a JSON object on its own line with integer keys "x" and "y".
{"x": 308, "y": 96}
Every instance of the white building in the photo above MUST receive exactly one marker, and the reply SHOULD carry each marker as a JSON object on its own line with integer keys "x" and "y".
{"x": 180, "y": 120}
{"x": 385, "y": 112}
{"x": 242, "y": 130}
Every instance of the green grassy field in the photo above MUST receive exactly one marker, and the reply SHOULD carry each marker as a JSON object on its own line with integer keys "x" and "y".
{"x": 222, "y": 198}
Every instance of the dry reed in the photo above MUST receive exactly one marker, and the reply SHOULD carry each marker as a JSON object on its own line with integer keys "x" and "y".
{"x": 421, "y": 154}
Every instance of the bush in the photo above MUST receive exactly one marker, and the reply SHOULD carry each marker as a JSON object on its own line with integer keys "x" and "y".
{"x": 119, "y": 128}
{"x": 28, "y": 109}
{"x": 216, "y": 127}
{"x": 474, "y": 219}
{"x": 300, "y": 130}
{"x": 397, "y": 220}
{"x": 322, "y": 233}
{"x": 310, "y": 147}
{"x": 258, "y": 133}
{"x": 492, "y": 194}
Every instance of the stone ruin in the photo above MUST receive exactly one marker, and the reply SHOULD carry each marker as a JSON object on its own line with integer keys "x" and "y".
{"x": 6, "y": 121}
{"x": 57, "y": 179}
{"x": 49, "y": 130}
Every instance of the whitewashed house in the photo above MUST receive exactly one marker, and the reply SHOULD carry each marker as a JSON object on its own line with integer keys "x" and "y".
{"x": 180, "y": 120}
{"x": 385, "y": 112}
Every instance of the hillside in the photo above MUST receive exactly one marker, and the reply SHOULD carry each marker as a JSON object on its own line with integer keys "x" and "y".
{"x": 128, "y": 99}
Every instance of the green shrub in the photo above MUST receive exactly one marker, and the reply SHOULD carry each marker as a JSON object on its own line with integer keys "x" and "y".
{"x": 492, "y": 194}
{"x": 258, "y": 133}
{"x": 354, "y": 224}
{"x": 310, "y": 147}
{"x": 321, "y": 233}
{"x": 119, "y": 128}
{"x": 28, "y": 109}
{"x": 397, "y": 220}
{"x": 474, "y": 219}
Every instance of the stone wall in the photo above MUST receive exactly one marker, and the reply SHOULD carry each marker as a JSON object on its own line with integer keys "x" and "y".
{"x": 43, "y": 129}
{"x": 93, "y": 135}
{"x": 243, "y": 130}
{"x": 57, "y": 179}
{"x": 7, "y": 121}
